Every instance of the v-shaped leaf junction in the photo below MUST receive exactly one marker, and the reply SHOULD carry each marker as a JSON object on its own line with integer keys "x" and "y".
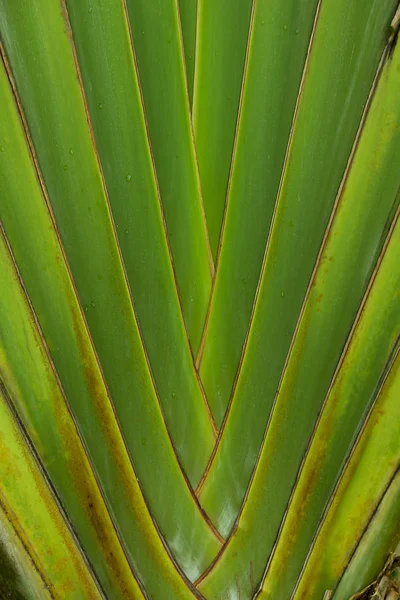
{"x": 200, "y": 298}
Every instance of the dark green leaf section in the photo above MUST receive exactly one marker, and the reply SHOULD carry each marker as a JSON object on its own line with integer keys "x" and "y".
{"x": 359, "y": 492}
{"x": 373, "y": 177}
{"x": 188, "y": 15}
{"x": 303, "y": 211}
{"x": 52, "y": 100}
{"x": 379, "y": 540}
{"x": 101, "y": 36}
{"x": 19, "y": 579}
{"x": 281, "y": 31}
{"x": 222, "y": 35}
{"x": 160, "y": 56}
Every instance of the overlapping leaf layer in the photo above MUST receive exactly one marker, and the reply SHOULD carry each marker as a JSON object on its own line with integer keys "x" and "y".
{"x": 200, "y": 298}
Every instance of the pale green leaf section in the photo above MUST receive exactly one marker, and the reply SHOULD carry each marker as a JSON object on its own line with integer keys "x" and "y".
{"x": 358, "y": 494}
{"x": 30, "y": 507}
{"x": 27, "y": 373}
{"x": 33, "y": 389}
{"x": 352, "y": 393}
{"x": 377, "y": 544}
{"x": 19, "y": 578}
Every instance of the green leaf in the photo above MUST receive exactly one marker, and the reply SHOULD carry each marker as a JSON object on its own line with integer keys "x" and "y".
{"x": 32, "y": 510}
{"x": 222, "y": 35}
{"x": 160, "y": 56}
{"x": 282, "y": 31}
{"x": 100, "y": 282}
{"x": 295, "y": 242}
{"x": 102, "y": 37}
{"x": 29, "y": 377}
{"x": 342, "y": 275}
{"x": 357, "y": 496}
{"x": 73, "y": 179}
{"x": 352, "y": 391}
{"x": 380, "y": 539}
{"x": 18, "y": 577}
{"x": 188, "y": 18}
{"x": 174, "y": 428}
{"x": 32, "y": 386}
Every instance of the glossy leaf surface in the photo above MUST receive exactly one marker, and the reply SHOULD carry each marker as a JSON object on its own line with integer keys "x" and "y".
{"x": 281, "y": 30}
{"x": 135, "y": 203}
{"x": 371, "y": 345}
{"x": 295, "y": 242}
{"x": 62, "y": 322}
{"x": 162, "y": 74}
{"x": 199, "y": 298}
{"x": 222, "y": 37}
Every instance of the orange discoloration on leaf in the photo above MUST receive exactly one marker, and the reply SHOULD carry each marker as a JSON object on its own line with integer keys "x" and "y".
{"x": 19, "y": 466}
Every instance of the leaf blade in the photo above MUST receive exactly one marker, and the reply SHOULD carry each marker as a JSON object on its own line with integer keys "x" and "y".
{"x": 270, "y": 337}
{"x": 112, "y": 313}
{"x": 280, "y": 31}
{"x": 18, "y": 576}
{"x": 188, "y": 17}
{"x": 358, "y": 494}
{"x": 101, "y": 36}
{"x": 161, "y": 67}
{"x": 30, "y": 506}
{"x": 357, "y": 378}
{"x": 302, "y": 389}
{"x": 379, "y": 539}
{"x": 222, "y": 32}
{"x": 33, "y": 390}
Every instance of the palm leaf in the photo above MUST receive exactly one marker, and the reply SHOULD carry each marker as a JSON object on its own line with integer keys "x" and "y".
{"x": 199, "y": 308}
{"x": 30, "y": 509}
